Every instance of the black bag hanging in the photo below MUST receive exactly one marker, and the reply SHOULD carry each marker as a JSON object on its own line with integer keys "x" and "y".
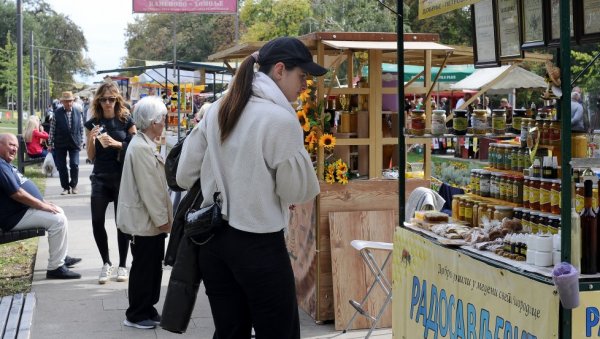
{"x": 171, "y": 164}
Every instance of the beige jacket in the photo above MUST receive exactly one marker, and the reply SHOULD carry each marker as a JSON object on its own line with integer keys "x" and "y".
{"x": 144, "y": 202}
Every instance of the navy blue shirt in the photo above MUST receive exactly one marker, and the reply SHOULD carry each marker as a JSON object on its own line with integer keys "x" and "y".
{"x": 106, "y": 160}
{"x": 11, "y": 211}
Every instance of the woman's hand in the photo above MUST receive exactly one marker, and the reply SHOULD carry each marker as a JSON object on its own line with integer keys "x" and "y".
{"x": 107, "y": 141}
{"x": 166, "y": 228}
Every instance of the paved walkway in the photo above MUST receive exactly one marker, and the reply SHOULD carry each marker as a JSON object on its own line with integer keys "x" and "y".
{"x": 84, "y": 309}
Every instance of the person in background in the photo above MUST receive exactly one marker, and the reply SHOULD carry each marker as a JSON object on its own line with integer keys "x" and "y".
{"x": 462, "y": 100}
{"x": 33, "y": 136}
{"x": 22, "y": 207}
{"x": 109, "y": 131}
{"x": 250, "y": 144}
{"x": 66, "y": 137}
{"x": 576, "y": 113}
{"x": 145, "y": 213}
{"x": 203, "y": 111}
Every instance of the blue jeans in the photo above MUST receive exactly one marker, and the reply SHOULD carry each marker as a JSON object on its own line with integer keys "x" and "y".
{"x": 60, "y": 160}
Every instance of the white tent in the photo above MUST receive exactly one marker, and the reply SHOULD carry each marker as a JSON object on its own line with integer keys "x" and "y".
{"x": 500, "y": 78}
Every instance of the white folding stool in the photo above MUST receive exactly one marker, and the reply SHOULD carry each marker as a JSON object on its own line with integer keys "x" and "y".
{"x": 365, "y": 248}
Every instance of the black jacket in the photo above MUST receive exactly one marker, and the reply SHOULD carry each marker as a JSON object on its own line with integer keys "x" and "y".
{"x": 185, "y": 276}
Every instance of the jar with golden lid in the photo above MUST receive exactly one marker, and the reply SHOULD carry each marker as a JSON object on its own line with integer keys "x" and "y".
{"x": 475, "y": 219}
{"x": 417, "y": 124}
{"x": 479, "y": 121}
{"x": 508, "y": 157}
{"x": 533, "y": 221}
{"x": 526, "y": 214}
{"x": 468, "y": 211}
{"x": 509, "y": 188}
{"x": 499, "y": 121}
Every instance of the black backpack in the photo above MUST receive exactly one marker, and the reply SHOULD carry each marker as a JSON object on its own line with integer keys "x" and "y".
{"x": 171, "y": 166}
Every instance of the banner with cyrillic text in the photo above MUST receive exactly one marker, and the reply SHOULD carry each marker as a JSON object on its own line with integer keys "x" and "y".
{"x": 184, "y": 6}
{"x": 586, "y": 317}
{"x": 441, "y": 293}
{"x": 431, "y": 8}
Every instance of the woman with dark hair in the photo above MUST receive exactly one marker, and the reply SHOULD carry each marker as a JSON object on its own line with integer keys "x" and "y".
{"x": 249, "y": 147}
{"x": 109, "y": 131}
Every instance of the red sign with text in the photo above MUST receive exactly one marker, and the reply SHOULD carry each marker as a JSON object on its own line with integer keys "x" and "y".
{"x": 184, "y": 6}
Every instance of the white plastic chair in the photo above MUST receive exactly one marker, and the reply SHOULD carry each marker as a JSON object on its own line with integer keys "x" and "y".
{"x": 365, "y": 249}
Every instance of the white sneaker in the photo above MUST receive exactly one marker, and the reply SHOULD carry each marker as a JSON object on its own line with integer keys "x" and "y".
{"x": 122, "y": 274}
{"x": 105, "y": 274}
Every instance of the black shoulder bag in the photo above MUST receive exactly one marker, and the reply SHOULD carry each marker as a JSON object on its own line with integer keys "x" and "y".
{"x": 201, "y": 224}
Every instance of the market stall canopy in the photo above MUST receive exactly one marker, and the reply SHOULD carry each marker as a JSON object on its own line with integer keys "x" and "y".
{"x": 335, "y": 44}
{"x": 503, "y": 77}
{"x": 450, "y": 74}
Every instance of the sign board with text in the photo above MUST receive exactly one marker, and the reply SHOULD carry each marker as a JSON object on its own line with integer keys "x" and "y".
{"x": 441, "y": 293}
{"x": 184, "y": 6}
{"x": 431, "y": 8}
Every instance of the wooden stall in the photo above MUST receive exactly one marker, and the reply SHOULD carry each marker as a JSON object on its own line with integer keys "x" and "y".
{"x": 310, "y": 238}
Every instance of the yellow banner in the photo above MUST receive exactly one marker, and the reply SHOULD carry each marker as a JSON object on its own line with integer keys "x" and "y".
{"x": 441, "y": 293}
{"x": 586, "y": 317}
{"x": 431, "y": 8}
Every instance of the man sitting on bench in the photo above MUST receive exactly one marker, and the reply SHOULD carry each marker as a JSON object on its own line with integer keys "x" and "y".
{"x": 23, "y": 207}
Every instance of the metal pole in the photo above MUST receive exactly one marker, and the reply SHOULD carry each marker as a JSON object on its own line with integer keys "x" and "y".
{"x": 31, "y": 104}
{"x": 564, "y": 110}
{"x": 401, "y": 116}
{"x": 20, "y": 70}
{"x": 39, "y": 84}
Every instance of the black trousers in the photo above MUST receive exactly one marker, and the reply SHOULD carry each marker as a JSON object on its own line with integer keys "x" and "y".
{"x": 145, "y": 276}
{"x": 249, "y": 283}
{"x": 105, "y": 188}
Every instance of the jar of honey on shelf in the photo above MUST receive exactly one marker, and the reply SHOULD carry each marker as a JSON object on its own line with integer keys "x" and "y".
{"x": 417, "y": 124}
{"x": 526, "y": 183}
{"x": 534, "y": 193}
{"x": 545, "y": 188}
{"x": 499, "y": 121}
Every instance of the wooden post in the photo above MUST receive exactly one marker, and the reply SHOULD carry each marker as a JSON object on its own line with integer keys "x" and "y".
{"x": 320, "y": 94}
{"x": 375, "y": 101}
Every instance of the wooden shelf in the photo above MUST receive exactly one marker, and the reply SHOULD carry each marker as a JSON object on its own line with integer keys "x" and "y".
{"x": 448, "y": 135}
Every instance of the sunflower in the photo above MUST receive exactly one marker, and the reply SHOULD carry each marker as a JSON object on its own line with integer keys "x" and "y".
{"x": 311, "y": 140}
{"x": 342, "y": 167}
{"x": 329, "y": 178}
{"x": 305, "y": 95}
{"x": 340, "y": 175}
{"x": 309, "y": 83}
{"x": 304, "y": 122}
{"x": 343, "y": 180}
{"x": 331, "y": 169}
{"x": 327, "y": 141}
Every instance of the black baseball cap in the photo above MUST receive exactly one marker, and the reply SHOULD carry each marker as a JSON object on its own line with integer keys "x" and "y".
{"x": 289, "y": 50}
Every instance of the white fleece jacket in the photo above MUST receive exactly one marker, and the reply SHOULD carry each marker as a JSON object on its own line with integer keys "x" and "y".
{"x": 260, "y": 169}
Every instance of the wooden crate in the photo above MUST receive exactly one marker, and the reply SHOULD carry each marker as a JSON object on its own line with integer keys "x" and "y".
{"x": 351, "y": 277}
{"x": 309, "y": 236}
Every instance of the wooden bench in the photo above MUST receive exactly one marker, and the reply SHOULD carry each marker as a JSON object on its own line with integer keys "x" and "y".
{"x": 16, "y": 315}
{"x": 26, "y": 159}
{"x": 10, "y": 236}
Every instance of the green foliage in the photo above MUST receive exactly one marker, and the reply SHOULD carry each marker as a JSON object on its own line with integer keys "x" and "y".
{"x": 590, "y": 81}
{"x": 453, "y": 27}
{"x": 150, "y": 37}
{"x": 268, "y": 19}
{"x": 52, "y": 31}
{"x": 352, "y": 16}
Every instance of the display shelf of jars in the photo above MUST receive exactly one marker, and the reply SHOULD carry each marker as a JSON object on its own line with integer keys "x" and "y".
{"x": 411, "y": 134}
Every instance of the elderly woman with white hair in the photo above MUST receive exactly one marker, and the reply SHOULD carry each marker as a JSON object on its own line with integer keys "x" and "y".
{"x": 145, "y": 213}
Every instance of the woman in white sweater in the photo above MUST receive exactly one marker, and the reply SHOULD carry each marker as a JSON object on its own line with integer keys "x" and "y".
{"x": 249, "y": 147}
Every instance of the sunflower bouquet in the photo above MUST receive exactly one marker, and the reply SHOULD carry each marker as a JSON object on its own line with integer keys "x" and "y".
{"x": 314, "y": 121}
{"x": 336, "y": 172}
